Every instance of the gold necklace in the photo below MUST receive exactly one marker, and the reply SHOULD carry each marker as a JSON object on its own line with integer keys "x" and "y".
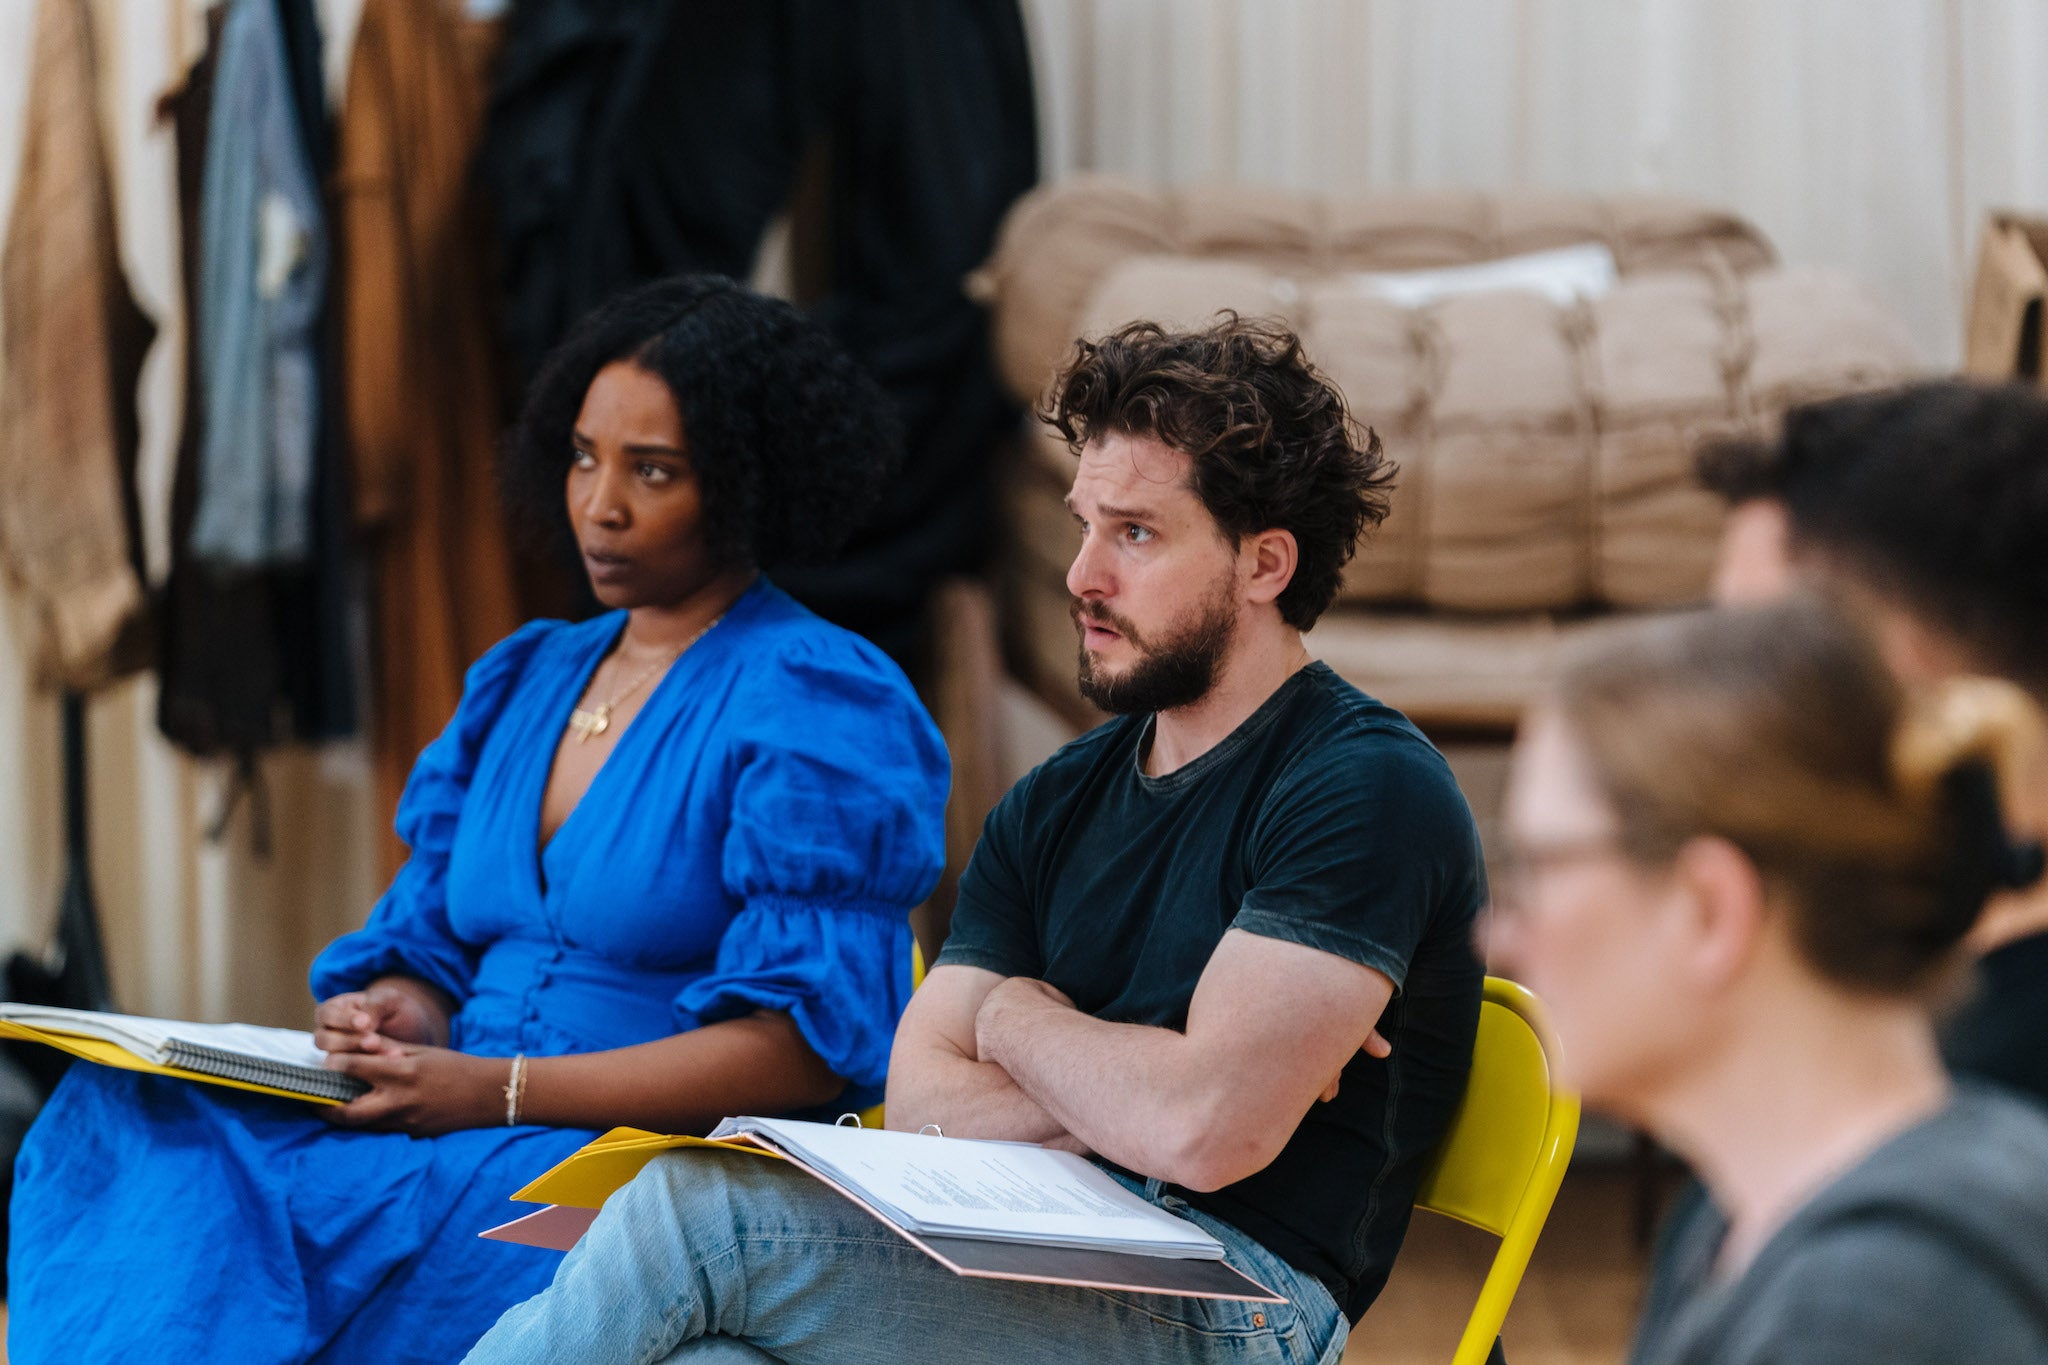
{"x": 594, "y": 722}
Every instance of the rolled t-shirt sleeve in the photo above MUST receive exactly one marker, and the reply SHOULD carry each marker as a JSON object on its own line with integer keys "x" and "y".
{"x": 993, "y": 926}
{"x": 1357, "y": 849}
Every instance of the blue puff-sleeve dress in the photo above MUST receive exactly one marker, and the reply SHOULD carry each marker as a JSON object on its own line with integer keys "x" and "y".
{"x": 754, "y": 841}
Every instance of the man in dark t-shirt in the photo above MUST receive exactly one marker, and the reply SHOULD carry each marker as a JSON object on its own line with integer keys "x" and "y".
{"x": 1324, "y": 822}
{"x": 1221, "y": 944}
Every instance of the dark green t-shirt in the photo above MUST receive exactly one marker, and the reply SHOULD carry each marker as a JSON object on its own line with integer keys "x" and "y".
{"x": 1325, "y": 819}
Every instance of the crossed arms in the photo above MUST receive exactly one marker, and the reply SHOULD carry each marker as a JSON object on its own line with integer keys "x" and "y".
{"x": 1269, "y": 1029}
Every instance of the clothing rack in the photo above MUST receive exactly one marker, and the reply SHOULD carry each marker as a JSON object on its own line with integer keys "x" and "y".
{"x": 74, "y": 975}
{"x": 81, "y": 964}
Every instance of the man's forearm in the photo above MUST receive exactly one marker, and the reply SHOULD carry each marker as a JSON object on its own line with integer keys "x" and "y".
{"x": 1119, "y": 1089}
{"x": 965, "y": 1098}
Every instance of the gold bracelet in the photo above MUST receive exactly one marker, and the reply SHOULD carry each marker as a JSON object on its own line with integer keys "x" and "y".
{"x": 515, "y": 1089}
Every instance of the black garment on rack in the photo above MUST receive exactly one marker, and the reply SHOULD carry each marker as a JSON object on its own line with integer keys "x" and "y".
{"x": 254, "y": 659}
{"x": 327, "y": 643}
{"x": 632, "y": 139}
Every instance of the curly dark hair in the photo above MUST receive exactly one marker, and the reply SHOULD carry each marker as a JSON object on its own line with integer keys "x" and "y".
{"x": 1936, "y": 494}
{"x": 1739, "y": 469}
{"x": 1270, "y": 441}
{"x": 790, "y": 439}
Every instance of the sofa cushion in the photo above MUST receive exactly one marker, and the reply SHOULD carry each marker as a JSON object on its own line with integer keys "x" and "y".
{"x": 1545, "y": 447}
{"x": 1059, "y": 241}
{"x": 1474, "y": 672}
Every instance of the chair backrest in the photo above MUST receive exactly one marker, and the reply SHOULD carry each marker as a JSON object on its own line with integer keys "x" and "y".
{"x": 873, "y": 1115}
{"x": 1499, "y": 1166}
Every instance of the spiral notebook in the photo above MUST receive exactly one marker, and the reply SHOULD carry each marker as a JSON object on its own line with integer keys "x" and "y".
{"x": 274, "y": 1061}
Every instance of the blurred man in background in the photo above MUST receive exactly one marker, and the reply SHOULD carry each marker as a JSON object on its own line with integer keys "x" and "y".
{"x": 1925, "y": 509}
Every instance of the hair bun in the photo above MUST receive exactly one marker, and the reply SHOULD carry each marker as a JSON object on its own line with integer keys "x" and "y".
{"x": 1959, "y": 749}
{"x": 1985, "y": 719}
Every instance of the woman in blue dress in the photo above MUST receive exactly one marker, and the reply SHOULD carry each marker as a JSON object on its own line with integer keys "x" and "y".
{"x": 661, "y": 864}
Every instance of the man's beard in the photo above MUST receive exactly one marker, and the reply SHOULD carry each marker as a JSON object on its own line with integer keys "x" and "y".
{"x": 1178, "y": 670}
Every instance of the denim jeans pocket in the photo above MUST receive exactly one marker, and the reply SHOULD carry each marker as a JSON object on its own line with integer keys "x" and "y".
{"x": 1300, "y": 1331}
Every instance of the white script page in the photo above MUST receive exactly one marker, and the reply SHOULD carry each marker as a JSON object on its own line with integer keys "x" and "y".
{"x": 147, "y": 1038}
{"x": 1001, "y": 1189}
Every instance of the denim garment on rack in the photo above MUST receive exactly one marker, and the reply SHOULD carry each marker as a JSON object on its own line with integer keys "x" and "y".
{"x": 263, "y": 280}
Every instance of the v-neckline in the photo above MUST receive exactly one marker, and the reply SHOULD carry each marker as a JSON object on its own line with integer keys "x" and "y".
{"x": 560, "y": 727}
{"x": 560, "y": 723}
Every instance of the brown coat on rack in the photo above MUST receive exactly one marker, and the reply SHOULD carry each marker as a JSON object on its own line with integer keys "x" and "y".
{"x": 419, "y": 379}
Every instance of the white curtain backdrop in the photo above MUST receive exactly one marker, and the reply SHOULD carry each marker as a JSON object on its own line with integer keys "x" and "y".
{"x": 1871, "y": 134}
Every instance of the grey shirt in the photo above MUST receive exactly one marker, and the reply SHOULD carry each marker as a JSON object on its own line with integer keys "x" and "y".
{"x": 1934, "y": 1249}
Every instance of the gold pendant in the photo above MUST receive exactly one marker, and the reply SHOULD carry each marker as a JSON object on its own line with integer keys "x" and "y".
{"x": 588, "y": 723}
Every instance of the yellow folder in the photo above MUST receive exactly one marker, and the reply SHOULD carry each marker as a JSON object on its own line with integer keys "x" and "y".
{"x": 584, "y": 1178}
{"x": 577, "y": 1187}
{"x": 113, "y": 1054}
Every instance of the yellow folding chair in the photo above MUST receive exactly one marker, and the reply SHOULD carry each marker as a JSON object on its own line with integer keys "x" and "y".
{"x": 1499, "y": 1166}
{"x": 871, "y": 1117}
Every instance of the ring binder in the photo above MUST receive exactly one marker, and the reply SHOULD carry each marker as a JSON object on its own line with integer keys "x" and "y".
{"x": 982, "y": 1230}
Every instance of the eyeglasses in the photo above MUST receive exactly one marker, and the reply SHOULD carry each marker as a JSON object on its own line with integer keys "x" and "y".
{"x": 1517, "y": 865}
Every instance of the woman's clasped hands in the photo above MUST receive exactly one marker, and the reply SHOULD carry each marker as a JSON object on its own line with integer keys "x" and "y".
{"x": 393, "y": 1034}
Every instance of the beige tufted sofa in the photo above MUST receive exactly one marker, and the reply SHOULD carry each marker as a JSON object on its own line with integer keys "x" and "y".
{"x": 1545, "y": 446}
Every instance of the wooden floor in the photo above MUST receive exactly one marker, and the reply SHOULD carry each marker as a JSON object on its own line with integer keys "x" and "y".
{"x": 1576, "y": 1305}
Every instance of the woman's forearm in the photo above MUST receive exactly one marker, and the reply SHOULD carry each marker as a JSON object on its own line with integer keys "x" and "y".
{"x": 759, "y": 1064}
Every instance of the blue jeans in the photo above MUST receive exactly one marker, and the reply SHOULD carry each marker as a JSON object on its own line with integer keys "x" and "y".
{"x": 715, "y": 1257}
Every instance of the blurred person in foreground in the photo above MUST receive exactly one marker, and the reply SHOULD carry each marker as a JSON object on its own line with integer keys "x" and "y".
{"x": 1742, "y": 864}
{"x": 661, "y": 868}
{"x": 1923, "y": 510}
{"x": 1171, "y": 943}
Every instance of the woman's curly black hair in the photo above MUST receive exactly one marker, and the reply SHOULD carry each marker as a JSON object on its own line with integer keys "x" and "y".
{"x": 1270, "y": 440}
{"x": 790, "y": 439}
